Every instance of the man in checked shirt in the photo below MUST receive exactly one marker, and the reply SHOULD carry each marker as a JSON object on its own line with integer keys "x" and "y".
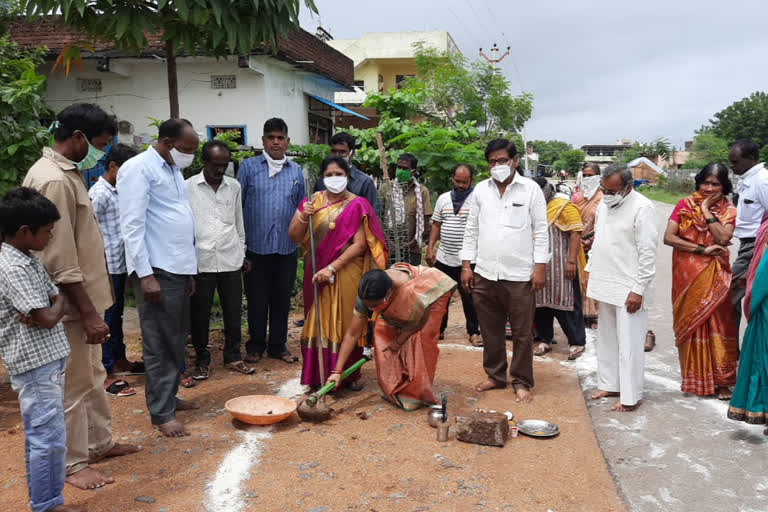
{"x": 103, "y": 196}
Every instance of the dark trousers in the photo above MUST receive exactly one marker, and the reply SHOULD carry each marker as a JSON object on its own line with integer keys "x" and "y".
{"x": 739, "y": 270}
{"x": 470, "y": 316}
{"x": 114, "y": 348}
{"x": 164, "y": 329}
{"x": 495, "y": 302}
{"x": 230, "y": 288}
{"x": 414, "y": 258}
{"x": 572, "y": 322}
{"x": 268, "y": 290}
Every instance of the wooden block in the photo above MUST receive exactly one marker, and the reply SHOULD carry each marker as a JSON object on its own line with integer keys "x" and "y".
{"x": 486, "y": 428}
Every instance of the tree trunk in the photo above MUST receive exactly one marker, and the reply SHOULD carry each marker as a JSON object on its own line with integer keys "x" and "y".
{"x": 173, "y": 84}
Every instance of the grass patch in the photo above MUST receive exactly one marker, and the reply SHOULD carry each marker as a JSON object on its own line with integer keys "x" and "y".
{"x": 661, "y": 195}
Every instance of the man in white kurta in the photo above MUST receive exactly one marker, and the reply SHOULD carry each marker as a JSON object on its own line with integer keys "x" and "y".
{"x": 620, "y": 271}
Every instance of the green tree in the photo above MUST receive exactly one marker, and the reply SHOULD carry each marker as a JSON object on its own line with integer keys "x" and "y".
{"x": 572, "y": 160}
{"x": 660, "y": 148}
{"x": 451, "y": 90}
{"x": 549, "y": 150}
{"x": 24, "y": 116}
{"x": 216, "y": 27}
{"x": 743, "y": 119}
{"x": 708, "y": 148}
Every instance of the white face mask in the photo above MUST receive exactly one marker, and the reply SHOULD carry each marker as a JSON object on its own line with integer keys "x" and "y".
{"x": 589, "y": 185}
{"x": 501, "y": 172}
{"x": 335, "y": 184}
{"x": 615, "y": 200}
{"x": 181, "y": 160}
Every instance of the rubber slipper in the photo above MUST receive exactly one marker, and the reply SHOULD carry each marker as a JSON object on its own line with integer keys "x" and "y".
{"x": 252, "y": 358}
{"x": 575, "y": 353}
{"x": 286, "y": 357}
{"x": 188, "y": 382}
{"x": 120, "y": 388}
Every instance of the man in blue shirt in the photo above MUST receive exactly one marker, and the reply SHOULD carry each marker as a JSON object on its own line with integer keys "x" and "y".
{"x": 159, "y": 234}
{"x": 359, "y": 183}
{"x": 272, "y": 187}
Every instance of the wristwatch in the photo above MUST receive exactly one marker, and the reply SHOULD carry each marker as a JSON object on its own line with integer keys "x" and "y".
{"x": 711, "y": 220}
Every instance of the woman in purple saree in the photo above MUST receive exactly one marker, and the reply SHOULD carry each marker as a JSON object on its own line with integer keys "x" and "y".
{"x": 348, "y": 243}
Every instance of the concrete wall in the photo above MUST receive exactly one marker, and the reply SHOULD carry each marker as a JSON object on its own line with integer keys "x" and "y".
{"x": 390, "y": 45}
{"x": 136, "y": 89}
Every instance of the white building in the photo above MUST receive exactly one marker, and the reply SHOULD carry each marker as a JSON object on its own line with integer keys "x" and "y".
{"x": 239, "y": 94}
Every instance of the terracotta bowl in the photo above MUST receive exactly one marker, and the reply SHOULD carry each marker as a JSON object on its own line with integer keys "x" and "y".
{"x": 260, "y": 409}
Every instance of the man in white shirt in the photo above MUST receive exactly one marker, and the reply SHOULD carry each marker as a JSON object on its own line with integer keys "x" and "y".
{"x": 752, "y": 204}
{"x": 506, "y": 235}
{"x": 621, "y": 267}
{"x": 448, "y": 223}
{"x": 220, "y": 242}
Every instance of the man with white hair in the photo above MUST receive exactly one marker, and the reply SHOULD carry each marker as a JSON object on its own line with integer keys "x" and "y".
{"x": 620, "y": 270}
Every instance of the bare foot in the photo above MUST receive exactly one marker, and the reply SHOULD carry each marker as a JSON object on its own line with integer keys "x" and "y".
{"x": 602, "y": 394}
{"x": 619, "y": 407}
{"x": 185, "y": 405}
{"x": 487, "y": 385}
{"x": 88, "y": 478}
{"x": 723, "y": 393}
{"x": 173, "y": 428}
{"x": 68, "y": 508}
{"x": 524, "y": 396}
{"x": 118, "y": 450}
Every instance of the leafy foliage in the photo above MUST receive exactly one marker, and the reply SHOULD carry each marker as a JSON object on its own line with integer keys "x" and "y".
{"x": 708, "y": 148}
{"x": 451, "y": 91}
{"x": 549, "y": 150}
{"x": 572, "y": 160}
{"x": 743, "y": 119}
{"x": 660, "y": 148}
{"x": 24, "y": 115}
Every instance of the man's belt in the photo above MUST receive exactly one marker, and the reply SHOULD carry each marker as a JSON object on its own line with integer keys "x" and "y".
{"x": 747, "y": 240}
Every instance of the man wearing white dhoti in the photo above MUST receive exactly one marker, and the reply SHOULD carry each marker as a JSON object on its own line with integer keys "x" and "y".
{"x": 619, "y": 273}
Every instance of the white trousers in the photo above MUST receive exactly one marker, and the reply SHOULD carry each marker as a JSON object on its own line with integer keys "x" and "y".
{"x": 620, "y": 352}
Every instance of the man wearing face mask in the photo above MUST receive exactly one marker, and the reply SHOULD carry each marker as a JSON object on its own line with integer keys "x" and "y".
{"x": 506, "y": 234}
{"x": 621, "y": 267}
{"x": 159, "y": 233}
{"x": 220, "y": 242}
{"x": 75, "y": 260}
{"x": 343, "y": 145}
{"x": 418, "y": 206}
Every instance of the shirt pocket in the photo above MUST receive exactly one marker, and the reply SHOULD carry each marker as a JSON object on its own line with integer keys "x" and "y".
{"x": 515, "y": 215}
{"x": 226, "y": 211}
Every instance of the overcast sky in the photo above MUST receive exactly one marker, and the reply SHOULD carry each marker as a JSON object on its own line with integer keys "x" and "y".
{"x": 599, "y": 70}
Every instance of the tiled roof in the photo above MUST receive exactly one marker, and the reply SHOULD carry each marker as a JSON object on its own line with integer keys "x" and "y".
{"x": 299, "y": 45}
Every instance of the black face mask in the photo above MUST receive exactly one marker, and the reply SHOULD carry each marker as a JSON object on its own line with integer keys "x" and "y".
{"x": 458, "y": 198}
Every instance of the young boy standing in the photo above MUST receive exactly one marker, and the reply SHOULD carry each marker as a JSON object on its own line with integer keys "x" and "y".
{"x": 33, "y": 344}
{"x": 103, "y": 196}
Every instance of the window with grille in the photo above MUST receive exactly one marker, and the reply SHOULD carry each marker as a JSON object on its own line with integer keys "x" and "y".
{"x": 223, "y": 82}
{"x": 90, "y": 84}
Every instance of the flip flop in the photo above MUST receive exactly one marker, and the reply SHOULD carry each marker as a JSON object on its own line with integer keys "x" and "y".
{"x": 576, "y": 352}
{"x": 120, "y": 388}
{"x": 187, "y": 382}
{"x": 286, "y": 357}
{"x": 252, "y": 358}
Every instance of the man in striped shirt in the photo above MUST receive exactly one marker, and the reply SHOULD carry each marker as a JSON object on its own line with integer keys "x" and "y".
{"x": 103, "y": 196}
{"x": 448, "y": 222}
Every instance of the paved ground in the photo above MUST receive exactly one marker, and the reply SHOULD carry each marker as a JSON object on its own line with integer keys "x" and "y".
{"x": 677, "y": 452}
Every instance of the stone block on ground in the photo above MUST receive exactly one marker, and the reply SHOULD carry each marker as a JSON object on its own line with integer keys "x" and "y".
{"x": 486, "y": 428}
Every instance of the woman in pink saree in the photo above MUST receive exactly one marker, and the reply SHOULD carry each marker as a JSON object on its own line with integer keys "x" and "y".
{"x": 348, "y": 243}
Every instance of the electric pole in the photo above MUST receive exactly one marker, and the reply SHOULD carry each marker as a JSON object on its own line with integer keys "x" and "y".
{"x": 494, "y": 60}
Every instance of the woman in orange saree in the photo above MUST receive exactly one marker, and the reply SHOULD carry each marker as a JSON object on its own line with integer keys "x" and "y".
{"x": 700, "y": 229}
{"x": 587, "y": 198}
{"x": 406, "y": 304}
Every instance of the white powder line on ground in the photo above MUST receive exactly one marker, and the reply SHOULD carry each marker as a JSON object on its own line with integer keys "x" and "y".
{"x": 224, "y": 492}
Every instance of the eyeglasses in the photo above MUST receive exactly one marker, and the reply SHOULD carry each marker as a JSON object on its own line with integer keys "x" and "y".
{"x": 500, "y": 161}
{"x": 611, "y": 192}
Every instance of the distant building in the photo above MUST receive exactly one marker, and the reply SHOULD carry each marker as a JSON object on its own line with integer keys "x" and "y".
{"x": 383, "y": 60}
{"x": 644, "y": 169}
{"x": 605, "y": 154}
{"x": 678, "y": 159}
{"x": 234, "y": 94}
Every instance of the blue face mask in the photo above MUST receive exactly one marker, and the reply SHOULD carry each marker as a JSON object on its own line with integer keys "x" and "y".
{"x": 91, "y": 158}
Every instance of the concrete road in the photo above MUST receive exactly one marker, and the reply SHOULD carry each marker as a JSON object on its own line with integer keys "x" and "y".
{"x": 677, "y": 452}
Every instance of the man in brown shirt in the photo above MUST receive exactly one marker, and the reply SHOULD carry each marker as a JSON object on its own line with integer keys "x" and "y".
{"x": 75, "y": 260}
{"x": 418, "y": 206}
